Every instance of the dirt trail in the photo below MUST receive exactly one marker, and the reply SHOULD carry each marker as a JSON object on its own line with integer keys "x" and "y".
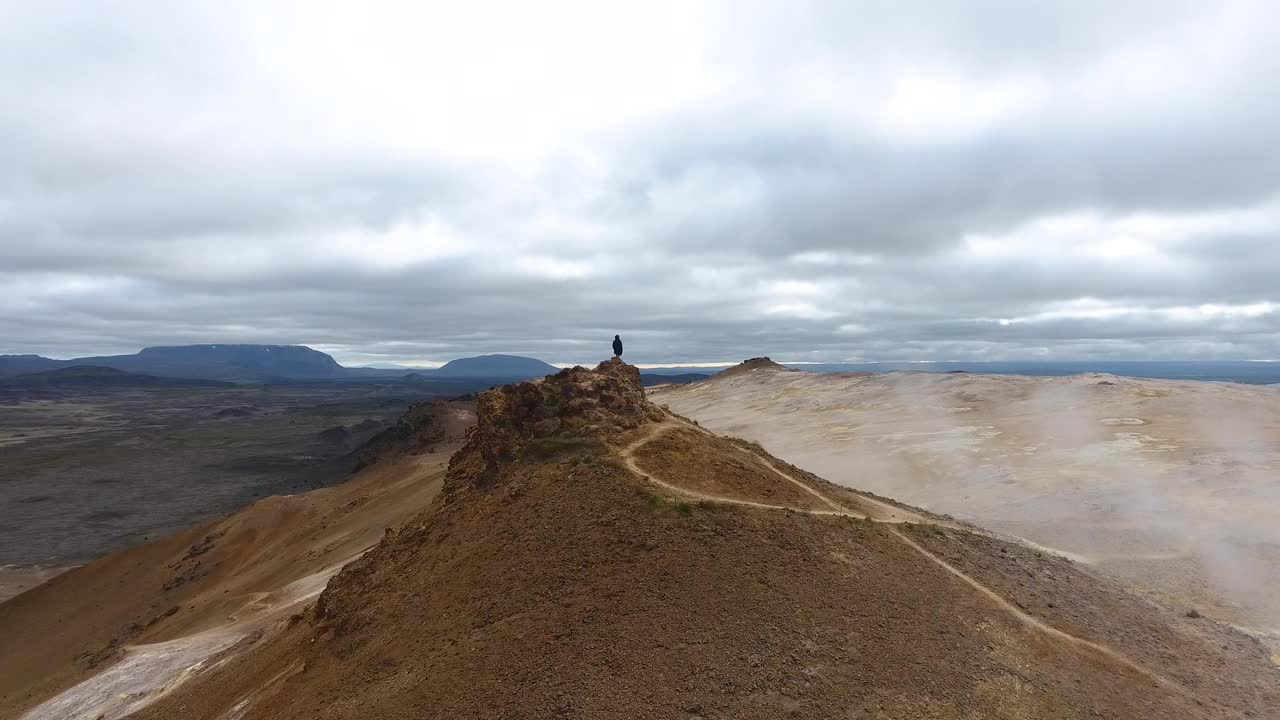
{"x": 883, "y": 512}
{"x": 628, "y": 456}
{"x": 1037, "y": 624}
{"x": 803, "y": 486}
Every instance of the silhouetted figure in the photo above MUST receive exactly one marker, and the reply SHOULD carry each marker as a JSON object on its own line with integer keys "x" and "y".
{"x": 617, "y": 346}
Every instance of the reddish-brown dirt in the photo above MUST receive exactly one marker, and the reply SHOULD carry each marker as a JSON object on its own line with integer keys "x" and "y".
{"x": 549, "y": 580}
{"x": 1059, "y": 591}
{"x": 683, "y": 457}
{"x": 865, "y": 503}
{"x": 609, "y": 610}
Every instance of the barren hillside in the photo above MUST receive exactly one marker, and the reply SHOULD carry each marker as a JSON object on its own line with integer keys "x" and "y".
{"x": 593, "y": 556}
{"x": 113, "y": 635}
{"x": 1169, "y": 485}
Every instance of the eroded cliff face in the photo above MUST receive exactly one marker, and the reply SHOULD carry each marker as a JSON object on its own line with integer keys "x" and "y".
{"x": 418, "y": 430}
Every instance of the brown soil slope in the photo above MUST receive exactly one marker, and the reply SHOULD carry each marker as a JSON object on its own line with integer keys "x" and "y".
{"x": 202, "y": 589}
{"x": 1169, "y": 485}
{"x": 556, "y": 578}
{"x": 684, "y": 458}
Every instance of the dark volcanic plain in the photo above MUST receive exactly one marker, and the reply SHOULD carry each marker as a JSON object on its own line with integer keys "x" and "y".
{"x": 84, "y": 472}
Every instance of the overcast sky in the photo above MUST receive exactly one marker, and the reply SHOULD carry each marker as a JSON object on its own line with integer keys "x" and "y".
{"x": 404, "y": 182}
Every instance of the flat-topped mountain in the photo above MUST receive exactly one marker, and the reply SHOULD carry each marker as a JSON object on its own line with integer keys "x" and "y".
{"x": 752, "y": 365}
{"x": 228, "y": 362}
{"x": 199, "y": 362}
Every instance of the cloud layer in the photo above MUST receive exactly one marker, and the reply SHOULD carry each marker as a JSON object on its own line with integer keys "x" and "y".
{"x": 873, "y": 180}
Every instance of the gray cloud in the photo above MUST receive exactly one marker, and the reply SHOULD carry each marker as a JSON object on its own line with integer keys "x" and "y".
{"x": 840, "y": 181}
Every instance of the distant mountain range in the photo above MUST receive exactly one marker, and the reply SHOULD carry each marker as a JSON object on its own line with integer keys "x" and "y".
{"x": 298, "y": 363}
{"x": 19, "y": 364}
{"x": 199, "y": 362}
{"x": 273, "y": 363}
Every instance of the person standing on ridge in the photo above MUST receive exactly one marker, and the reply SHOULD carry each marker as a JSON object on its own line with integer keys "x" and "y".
{"x": 617, "y": 346}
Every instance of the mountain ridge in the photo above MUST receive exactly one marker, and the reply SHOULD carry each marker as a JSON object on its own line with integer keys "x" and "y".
{"x": 495, "y": 366}
{"x": 272, "y": 363}
{"x": 589, "y": 554}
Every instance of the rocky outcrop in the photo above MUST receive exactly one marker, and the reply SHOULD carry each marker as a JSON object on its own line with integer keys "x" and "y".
{"x": 418, "y": 430}
{"x": 751, "y": 364}
{"x": 573, "y": 403}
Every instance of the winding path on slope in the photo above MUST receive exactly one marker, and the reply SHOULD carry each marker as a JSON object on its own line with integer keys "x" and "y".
{"x": 629, "y": 459}
{"x": 883, "y": 512}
